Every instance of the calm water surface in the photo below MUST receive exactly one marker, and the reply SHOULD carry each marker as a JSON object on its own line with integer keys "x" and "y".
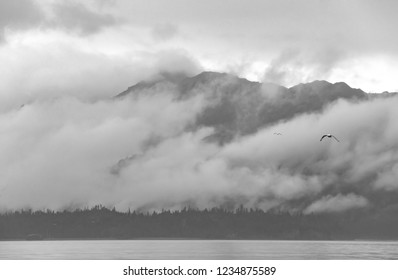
{"x": 198, "y": 249}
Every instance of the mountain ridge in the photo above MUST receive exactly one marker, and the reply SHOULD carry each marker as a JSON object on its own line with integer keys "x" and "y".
{"x": 238, "y": 107}
{"x": 208, "y": 76}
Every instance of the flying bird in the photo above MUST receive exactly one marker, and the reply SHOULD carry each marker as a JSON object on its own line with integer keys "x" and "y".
{"x": 330, "y": 136}
{"x": 277, "y": 133}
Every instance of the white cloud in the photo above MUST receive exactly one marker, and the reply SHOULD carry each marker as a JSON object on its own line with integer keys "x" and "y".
{"x": 33, "y": 71}
{"x": 66, "y": 149}
{"x": 60, "y": 153}
{"x": 338, "y": 203}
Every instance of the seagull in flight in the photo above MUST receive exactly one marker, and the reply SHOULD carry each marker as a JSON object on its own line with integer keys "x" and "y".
{"x": 277, "y": 133}
{"x": 330, "y": 136}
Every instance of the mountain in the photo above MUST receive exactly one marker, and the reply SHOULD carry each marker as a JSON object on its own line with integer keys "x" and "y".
{"x": 236, "y": 106}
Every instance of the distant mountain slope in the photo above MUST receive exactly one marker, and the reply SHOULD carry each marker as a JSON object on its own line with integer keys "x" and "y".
{"x": 237, "y": 106}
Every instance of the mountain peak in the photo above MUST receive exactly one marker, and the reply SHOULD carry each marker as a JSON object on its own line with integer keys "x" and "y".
{"x": 210, "y": 75}
{"x": 317, "y": 84}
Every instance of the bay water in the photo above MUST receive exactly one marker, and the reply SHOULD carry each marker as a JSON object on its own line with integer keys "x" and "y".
{"x": 197, "y": 249}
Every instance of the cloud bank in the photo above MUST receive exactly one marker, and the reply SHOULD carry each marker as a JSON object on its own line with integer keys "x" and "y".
{"x": 146, "y": 151}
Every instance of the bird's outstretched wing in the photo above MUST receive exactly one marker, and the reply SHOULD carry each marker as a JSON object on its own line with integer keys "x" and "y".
{"x": 323, "y": 137}
{"x": 335, "y": 138}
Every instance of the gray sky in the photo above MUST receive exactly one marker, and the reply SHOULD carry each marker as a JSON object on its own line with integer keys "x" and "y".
{"x": 64, "y": 59}
{"x": 91, "y": 49}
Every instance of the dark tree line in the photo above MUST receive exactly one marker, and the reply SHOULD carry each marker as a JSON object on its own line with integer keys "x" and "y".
{"x": 103, "y": 223}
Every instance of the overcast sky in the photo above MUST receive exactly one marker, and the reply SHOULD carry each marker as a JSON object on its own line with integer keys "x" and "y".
{"x": 97, "y": 48}
{"x": 61, "y": 135}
